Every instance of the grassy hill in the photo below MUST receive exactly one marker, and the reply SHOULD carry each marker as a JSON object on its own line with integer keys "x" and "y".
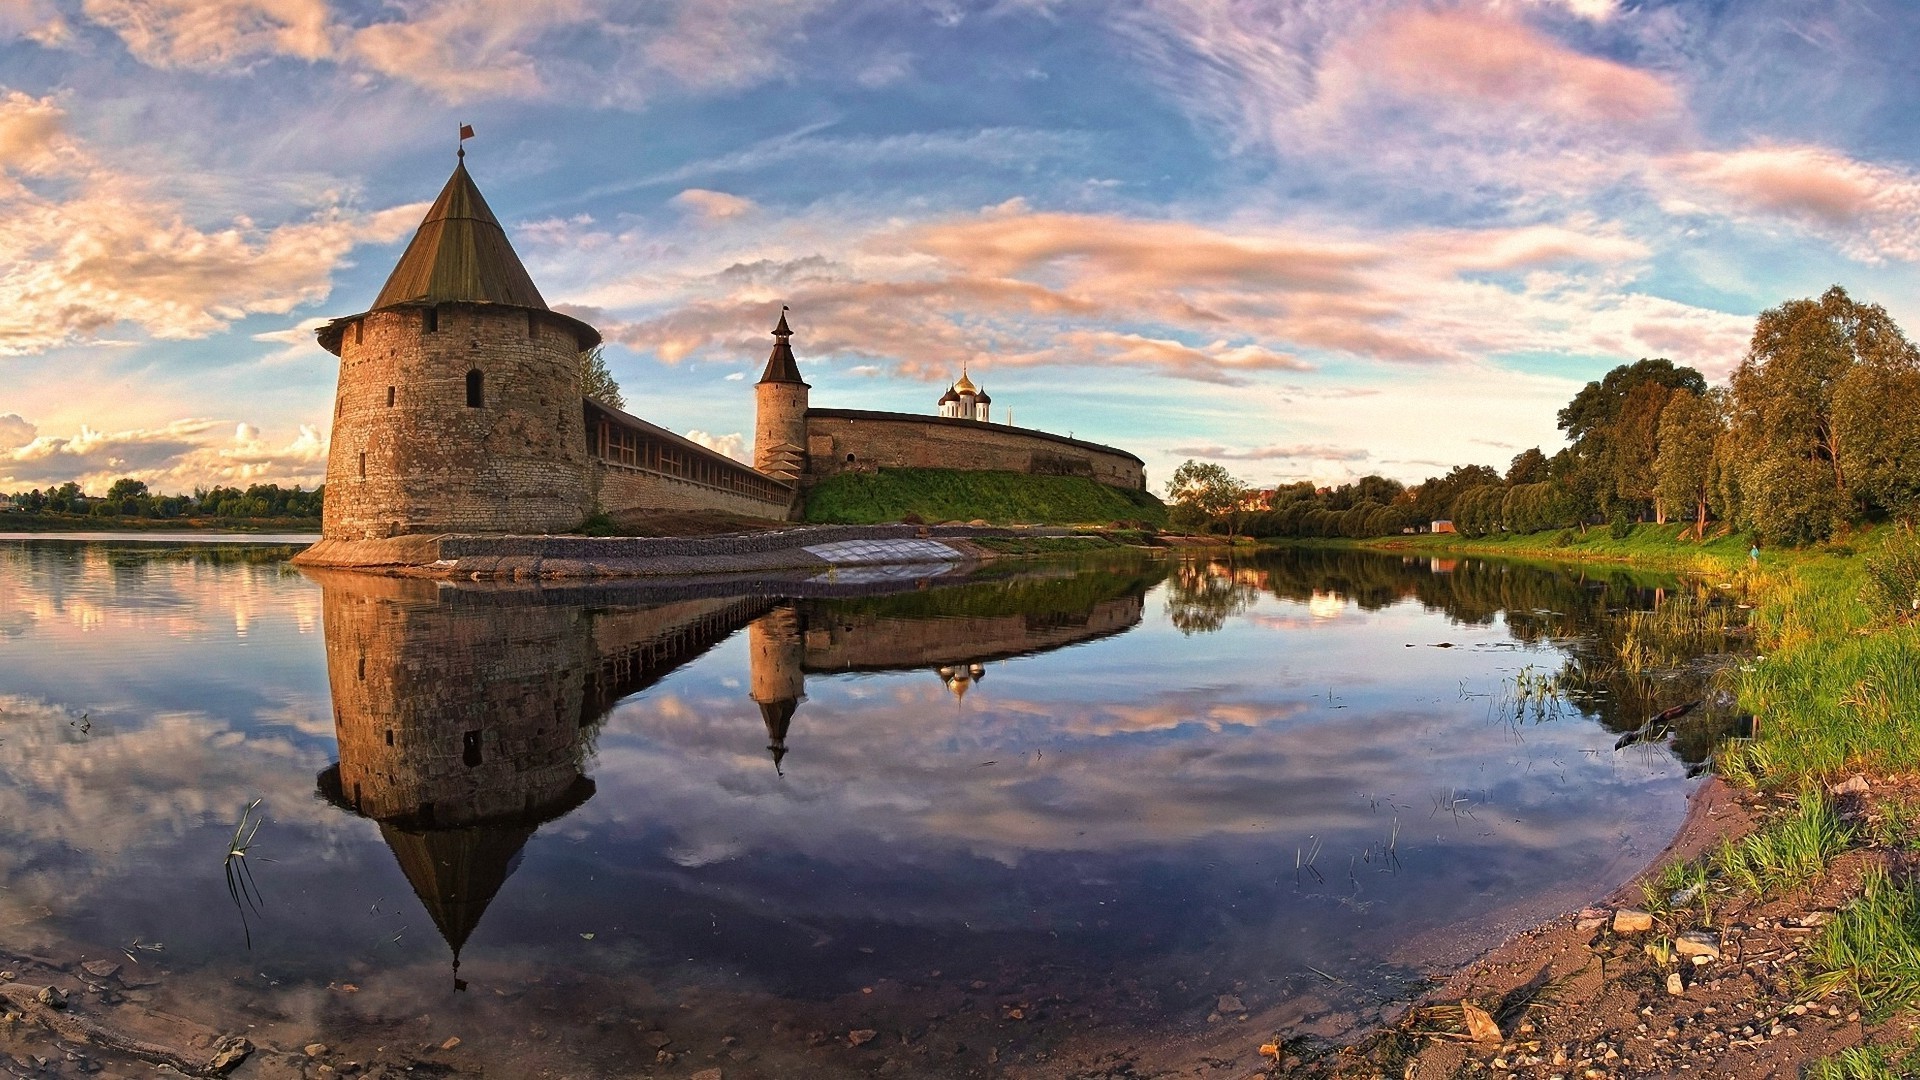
{"x": 1003, "y": 498}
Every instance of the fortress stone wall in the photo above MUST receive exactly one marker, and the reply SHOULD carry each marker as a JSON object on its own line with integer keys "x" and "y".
{"x": 874, "y": 643}
{"x": 460, "y": 409}
{"x": 450, "y": 711}
{"x": 843, "y": 440}
{"x": 414, "y": 452}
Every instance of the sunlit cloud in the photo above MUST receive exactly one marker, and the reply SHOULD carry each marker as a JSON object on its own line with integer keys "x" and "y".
{"x": 104, "y": 247}
{"x": 733, "y": 444}
{"x": 175, "y": 457}
{"x": 1872, "y": 212}
{"x": 1294, "y": 452}
{"x": 715, "y": 205}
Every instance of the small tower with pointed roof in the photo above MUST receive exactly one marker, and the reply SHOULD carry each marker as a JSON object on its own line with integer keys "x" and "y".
{"x": 780, "y": 415}
{"x": 459, "y": 403}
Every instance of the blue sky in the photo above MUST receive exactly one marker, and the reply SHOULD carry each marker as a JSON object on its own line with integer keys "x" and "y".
{"x": 1309, "y": 239}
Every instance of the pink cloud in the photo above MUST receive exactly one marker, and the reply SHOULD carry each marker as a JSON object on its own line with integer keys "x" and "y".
{"x": 713, "y": 205}
{"x": 1478, "y": 58}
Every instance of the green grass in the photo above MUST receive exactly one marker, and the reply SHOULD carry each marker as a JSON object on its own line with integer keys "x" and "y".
{"x": 1788, "y": 852}
{"x": 1867, "y": 1063}
{"x": 1661, "y": 544}
{"x": 1047, "y": 545}
{"x": 1837, "y": 690}
{"x": 1003, "y": 498}
{"x": 1871, "y": 949}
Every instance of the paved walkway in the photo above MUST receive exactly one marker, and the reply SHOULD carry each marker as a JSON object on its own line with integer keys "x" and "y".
{"x": 881, "y": 552}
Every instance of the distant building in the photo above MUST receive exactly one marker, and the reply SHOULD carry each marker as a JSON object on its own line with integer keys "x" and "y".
{"x": 1443, "y": 526}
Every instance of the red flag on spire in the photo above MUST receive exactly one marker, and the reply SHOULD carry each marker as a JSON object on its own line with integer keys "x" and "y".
{"x": 466, "y": 132}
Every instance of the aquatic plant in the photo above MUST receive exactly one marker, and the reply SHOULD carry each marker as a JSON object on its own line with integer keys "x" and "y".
{"x": 240, "y": 883}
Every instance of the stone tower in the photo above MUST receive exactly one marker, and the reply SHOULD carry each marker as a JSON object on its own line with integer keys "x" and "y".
{"x": 777, "y": 682}
{"x": 459, "y": 406}
{"x": 463, "y": 722}
{"x": 780, "y": 414}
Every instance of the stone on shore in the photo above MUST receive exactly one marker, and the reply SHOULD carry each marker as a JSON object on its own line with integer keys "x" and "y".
{"x": 1480, "y": 1025}
{"x": 232, "y": 1052}
{"x": 1697, "y": 944}
{"x": 1632, "y": 921}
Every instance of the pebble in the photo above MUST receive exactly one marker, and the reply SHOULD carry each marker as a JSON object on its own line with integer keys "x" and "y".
{"x": 450, "y": 1043}
{"x": 1230, "y": 1003}
{"x": 1674, "y": 985}
{"x": 861, "y": 1037}
{"x": 316, "y": 1049}
{"x": 101, "y": 969}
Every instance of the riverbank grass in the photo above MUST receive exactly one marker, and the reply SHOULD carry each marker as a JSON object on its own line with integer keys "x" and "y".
{"x": 1001, "y": 498}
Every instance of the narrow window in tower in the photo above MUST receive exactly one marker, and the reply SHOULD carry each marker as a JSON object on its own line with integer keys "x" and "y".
{"x": 356, "y": 330}
{"x": 363, "y": 464}
{"x": 849, "y": 459}
{"x": 389, "y": 736}
{"x": 476, "y": 389}
{"x": 363, "y": 669}
{"x": 470, "y": 749}
{"x": 389, "y": 397}
{"x": 433, "y": 320}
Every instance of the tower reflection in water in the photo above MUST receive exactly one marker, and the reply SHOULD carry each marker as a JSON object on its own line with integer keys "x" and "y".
{"x": 465, "y": 716}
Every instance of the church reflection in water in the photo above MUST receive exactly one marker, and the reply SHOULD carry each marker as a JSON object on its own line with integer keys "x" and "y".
{"x": 466, "y": 716}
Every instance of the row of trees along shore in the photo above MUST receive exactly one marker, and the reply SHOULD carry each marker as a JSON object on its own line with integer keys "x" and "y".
{"x": 131, "y": 498}
{"x": 1817, "y": 429}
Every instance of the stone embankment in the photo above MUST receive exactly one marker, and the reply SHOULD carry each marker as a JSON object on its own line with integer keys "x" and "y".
{"x": 457, "y": 556}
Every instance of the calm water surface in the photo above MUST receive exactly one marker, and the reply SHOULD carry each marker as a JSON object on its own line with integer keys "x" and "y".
{"x": 1001, "y": 822}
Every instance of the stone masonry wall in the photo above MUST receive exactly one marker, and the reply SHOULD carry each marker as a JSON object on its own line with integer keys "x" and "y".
{"x": 880, "y": 441}
{"x": 622, "y": 487}
{"x": 842, "y": 642}
{"x": 518, "y": 463}
{"x": 450, "y": 709}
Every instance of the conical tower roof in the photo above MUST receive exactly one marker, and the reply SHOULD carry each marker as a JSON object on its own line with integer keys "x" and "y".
{"x": 781, "y": 366}
{"x": 460, "y": 254}
{"x": 456, "y": 873}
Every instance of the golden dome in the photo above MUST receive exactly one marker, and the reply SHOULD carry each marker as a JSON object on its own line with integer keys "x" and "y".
{"x": 965, "y": 385}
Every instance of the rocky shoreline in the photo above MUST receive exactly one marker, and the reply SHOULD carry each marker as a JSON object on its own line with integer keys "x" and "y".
{"x": 1618, "y": 990}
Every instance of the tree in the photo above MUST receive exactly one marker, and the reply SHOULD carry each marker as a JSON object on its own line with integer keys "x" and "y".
{"x": 1790, "y": 449}
{"x": 1528, "y": 467}
{"x": 596, "y": 381}
{"x": 1204, "y": 492}
{"x": 1434, "y": 499}
{"x": 1877, "y": 406}
{"x": 126, "y": 488}
{"x": 1611, "y": 427}
{"x": 1690, "y": 431}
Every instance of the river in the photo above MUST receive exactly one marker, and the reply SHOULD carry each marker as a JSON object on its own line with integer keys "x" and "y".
{"x": 1062, "y": 819}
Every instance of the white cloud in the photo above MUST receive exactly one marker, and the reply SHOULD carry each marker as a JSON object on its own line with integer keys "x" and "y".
{"x": 15, "y": 431}
{"x": 174, "y": 457}
{"x": 464, "y": 50}
{"x": 98, "y": 247}
{"x": 213, "y": 35}
{"x": 733, "y": 444}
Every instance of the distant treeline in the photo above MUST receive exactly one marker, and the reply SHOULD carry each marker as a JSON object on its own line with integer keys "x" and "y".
{"x": 1818, "y": 429}
{"x": 130, "y": 498}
